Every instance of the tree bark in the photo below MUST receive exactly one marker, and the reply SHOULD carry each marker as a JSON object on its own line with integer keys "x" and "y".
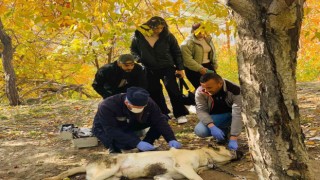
{"x": 267, "y": 45}
{"x": 10, "y": 76}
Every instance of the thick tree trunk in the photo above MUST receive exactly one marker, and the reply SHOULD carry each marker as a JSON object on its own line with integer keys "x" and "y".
{"x": 267, "y": 45}
{"x": 10, "y": 76}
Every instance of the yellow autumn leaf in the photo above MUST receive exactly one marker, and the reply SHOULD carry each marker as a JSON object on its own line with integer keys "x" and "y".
{"x": 203, "y": 29}
{"x": 310, "y": 143}
{"x": 145, "y": 30}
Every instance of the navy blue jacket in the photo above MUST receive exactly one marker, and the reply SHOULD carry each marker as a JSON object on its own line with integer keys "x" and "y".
{"x": 109, "y": 76}
{"x": 119, "y": 122}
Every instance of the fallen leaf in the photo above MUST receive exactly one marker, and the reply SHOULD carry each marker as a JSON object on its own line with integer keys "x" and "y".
{"x": 310, "y": 143}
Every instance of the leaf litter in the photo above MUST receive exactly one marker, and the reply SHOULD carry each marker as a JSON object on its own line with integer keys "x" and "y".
{"x": 31, "y": 149}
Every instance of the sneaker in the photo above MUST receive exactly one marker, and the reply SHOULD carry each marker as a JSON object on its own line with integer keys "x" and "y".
{"x": 181, "y": 119}
{"x": 192, "y": 109}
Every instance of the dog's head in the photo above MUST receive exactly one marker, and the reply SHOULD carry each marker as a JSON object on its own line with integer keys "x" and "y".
{"x": 221, "y": 154}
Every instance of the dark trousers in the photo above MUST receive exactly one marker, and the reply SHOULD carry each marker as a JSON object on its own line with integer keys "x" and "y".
{"x": 109, "y": 142}
{"x": 98, "y": 132}
{"x": 168, "y": 77}
{"x": 194, "y": 76}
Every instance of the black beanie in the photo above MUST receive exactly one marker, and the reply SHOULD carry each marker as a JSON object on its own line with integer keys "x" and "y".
{"x": 137, "y": 96}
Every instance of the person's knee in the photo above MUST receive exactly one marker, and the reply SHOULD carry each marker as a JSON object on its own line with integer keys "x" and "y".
{"x": 201, "y": 132}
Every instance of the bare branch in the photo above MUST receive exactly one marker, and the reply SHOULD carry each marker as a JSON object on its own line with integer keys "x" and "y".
{"x": 245, "y": 8}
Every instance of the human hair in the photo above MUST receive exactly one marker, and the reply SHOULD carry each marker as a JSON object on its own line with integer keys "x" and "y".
{"x": 195, "y": 27}
{"x": 155, "y": 21}
{"x": 207, "y": 76}
{"x": 124, "y": 58}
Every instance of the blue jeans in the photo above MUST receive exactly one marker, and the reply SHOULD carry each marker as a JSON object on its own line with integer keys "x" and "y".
{"x": 222, "y": 121}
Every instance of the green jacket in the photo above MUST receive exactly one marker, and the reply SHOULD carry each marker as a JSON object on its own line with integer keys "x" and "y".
{"x": 192, "y": 53}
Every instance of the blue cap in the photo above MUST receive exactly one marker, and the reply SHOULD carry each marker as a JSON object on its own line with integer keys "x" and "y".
{"x": 137, "y": 96}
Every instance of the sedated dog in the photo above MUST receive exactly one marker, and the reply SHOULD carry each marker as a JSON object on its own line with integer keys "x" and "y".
{"x": 161, "y": 165}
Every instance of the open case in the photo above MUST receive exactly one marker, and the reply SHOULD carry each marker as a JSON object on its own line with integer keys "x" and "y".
{"x": 80, "y": 137}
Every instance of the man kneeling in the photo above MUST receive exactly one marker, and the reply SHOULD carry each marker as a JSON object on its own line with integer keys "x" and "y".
{"x": 119, "y": 117}
{"x": 218, "y": 106}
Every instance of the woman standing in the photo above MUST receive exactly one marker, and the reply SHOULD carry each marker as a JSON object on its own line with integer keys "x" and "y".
{"x": 158, "y": 50}
{"x": 199, "y": 56}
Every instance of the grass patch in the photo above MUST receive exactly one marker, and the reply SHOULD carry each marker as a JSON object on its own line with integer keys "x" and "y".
{"x": 305, "y": 119}
{"x": 3, "y": 117}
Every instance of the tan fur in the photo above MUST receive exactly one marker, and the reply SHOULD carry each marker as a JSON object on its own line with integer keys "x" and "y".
{"x": 161, "y": 165}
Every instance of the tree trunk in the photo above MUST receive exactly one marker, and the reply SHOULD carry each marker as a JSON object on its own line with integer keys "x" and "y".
{"x": 267, "y": 45}
{"x": 10, "y": 76}
{"x": 111, "y": 49}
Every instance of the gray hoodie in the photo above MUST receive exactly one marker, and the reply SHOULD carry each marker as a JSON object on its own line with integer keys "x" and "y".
{"x": 204, "y": 105}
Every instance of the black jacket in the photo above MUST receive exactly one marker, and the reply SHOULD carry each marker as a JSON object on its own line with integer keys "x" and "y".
{"x": 165, "y": 53}
{"x": 119, "y": 122}
{"x": 109, "y": 76}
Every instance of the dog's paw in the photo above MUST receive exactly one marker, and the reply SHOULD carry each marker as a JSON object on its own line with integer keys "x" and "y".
{"x": 200, "y": 170}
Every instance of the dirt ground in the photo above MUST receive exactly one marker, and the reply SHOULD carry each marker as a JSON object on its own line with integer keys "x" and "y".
{"x": 30, "y": 147}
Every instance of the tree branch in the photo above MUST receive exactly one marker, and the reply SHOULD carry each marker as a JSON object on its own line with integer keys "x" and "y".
{"x": 245, "y": 8}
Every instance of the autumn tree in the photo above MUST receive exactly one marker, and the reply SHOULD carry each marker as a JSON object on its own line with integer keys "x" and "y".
{"x": 267, "y": 45}
{"x": 308, "y": 62}
{"x": 9, "y": 74}
{"x": 59, "y": 44}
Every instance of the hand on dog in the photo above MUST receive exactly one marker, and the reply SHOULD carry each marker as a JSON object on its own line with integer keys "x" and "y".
{"x": 144, "y": 146}
{"x": 233, "y": 144}
{"x": 217, "y": 133}
{"x": 174, "y": 144}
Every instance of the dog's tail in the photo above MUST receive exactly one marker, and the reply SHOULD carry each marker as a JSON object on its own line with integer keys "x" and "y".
{"x": 68, "y": 173}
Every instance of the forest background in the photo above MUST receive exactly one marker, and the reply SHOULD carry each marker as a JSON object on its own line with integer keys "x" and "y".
{"x": 60, "y": 44}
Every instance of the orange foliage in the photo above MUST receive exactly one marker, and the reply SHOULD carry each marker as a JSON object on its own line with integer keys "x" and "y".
{"x": 308, "y": 63}
{"x": 65, "y": 40}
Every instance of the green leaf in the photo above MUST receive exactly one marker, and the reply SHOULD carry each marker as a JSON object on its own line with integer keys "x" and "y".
{"x": 316, "y": 36}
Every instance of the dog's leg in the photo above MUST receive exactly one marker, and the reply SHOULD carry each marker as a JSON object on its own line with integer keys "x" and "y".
{"x": 100, "y": 172}
{"x": 187, "y": 171}
{"x": 68, "y": 173}
{"x": 201, "y": 169}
